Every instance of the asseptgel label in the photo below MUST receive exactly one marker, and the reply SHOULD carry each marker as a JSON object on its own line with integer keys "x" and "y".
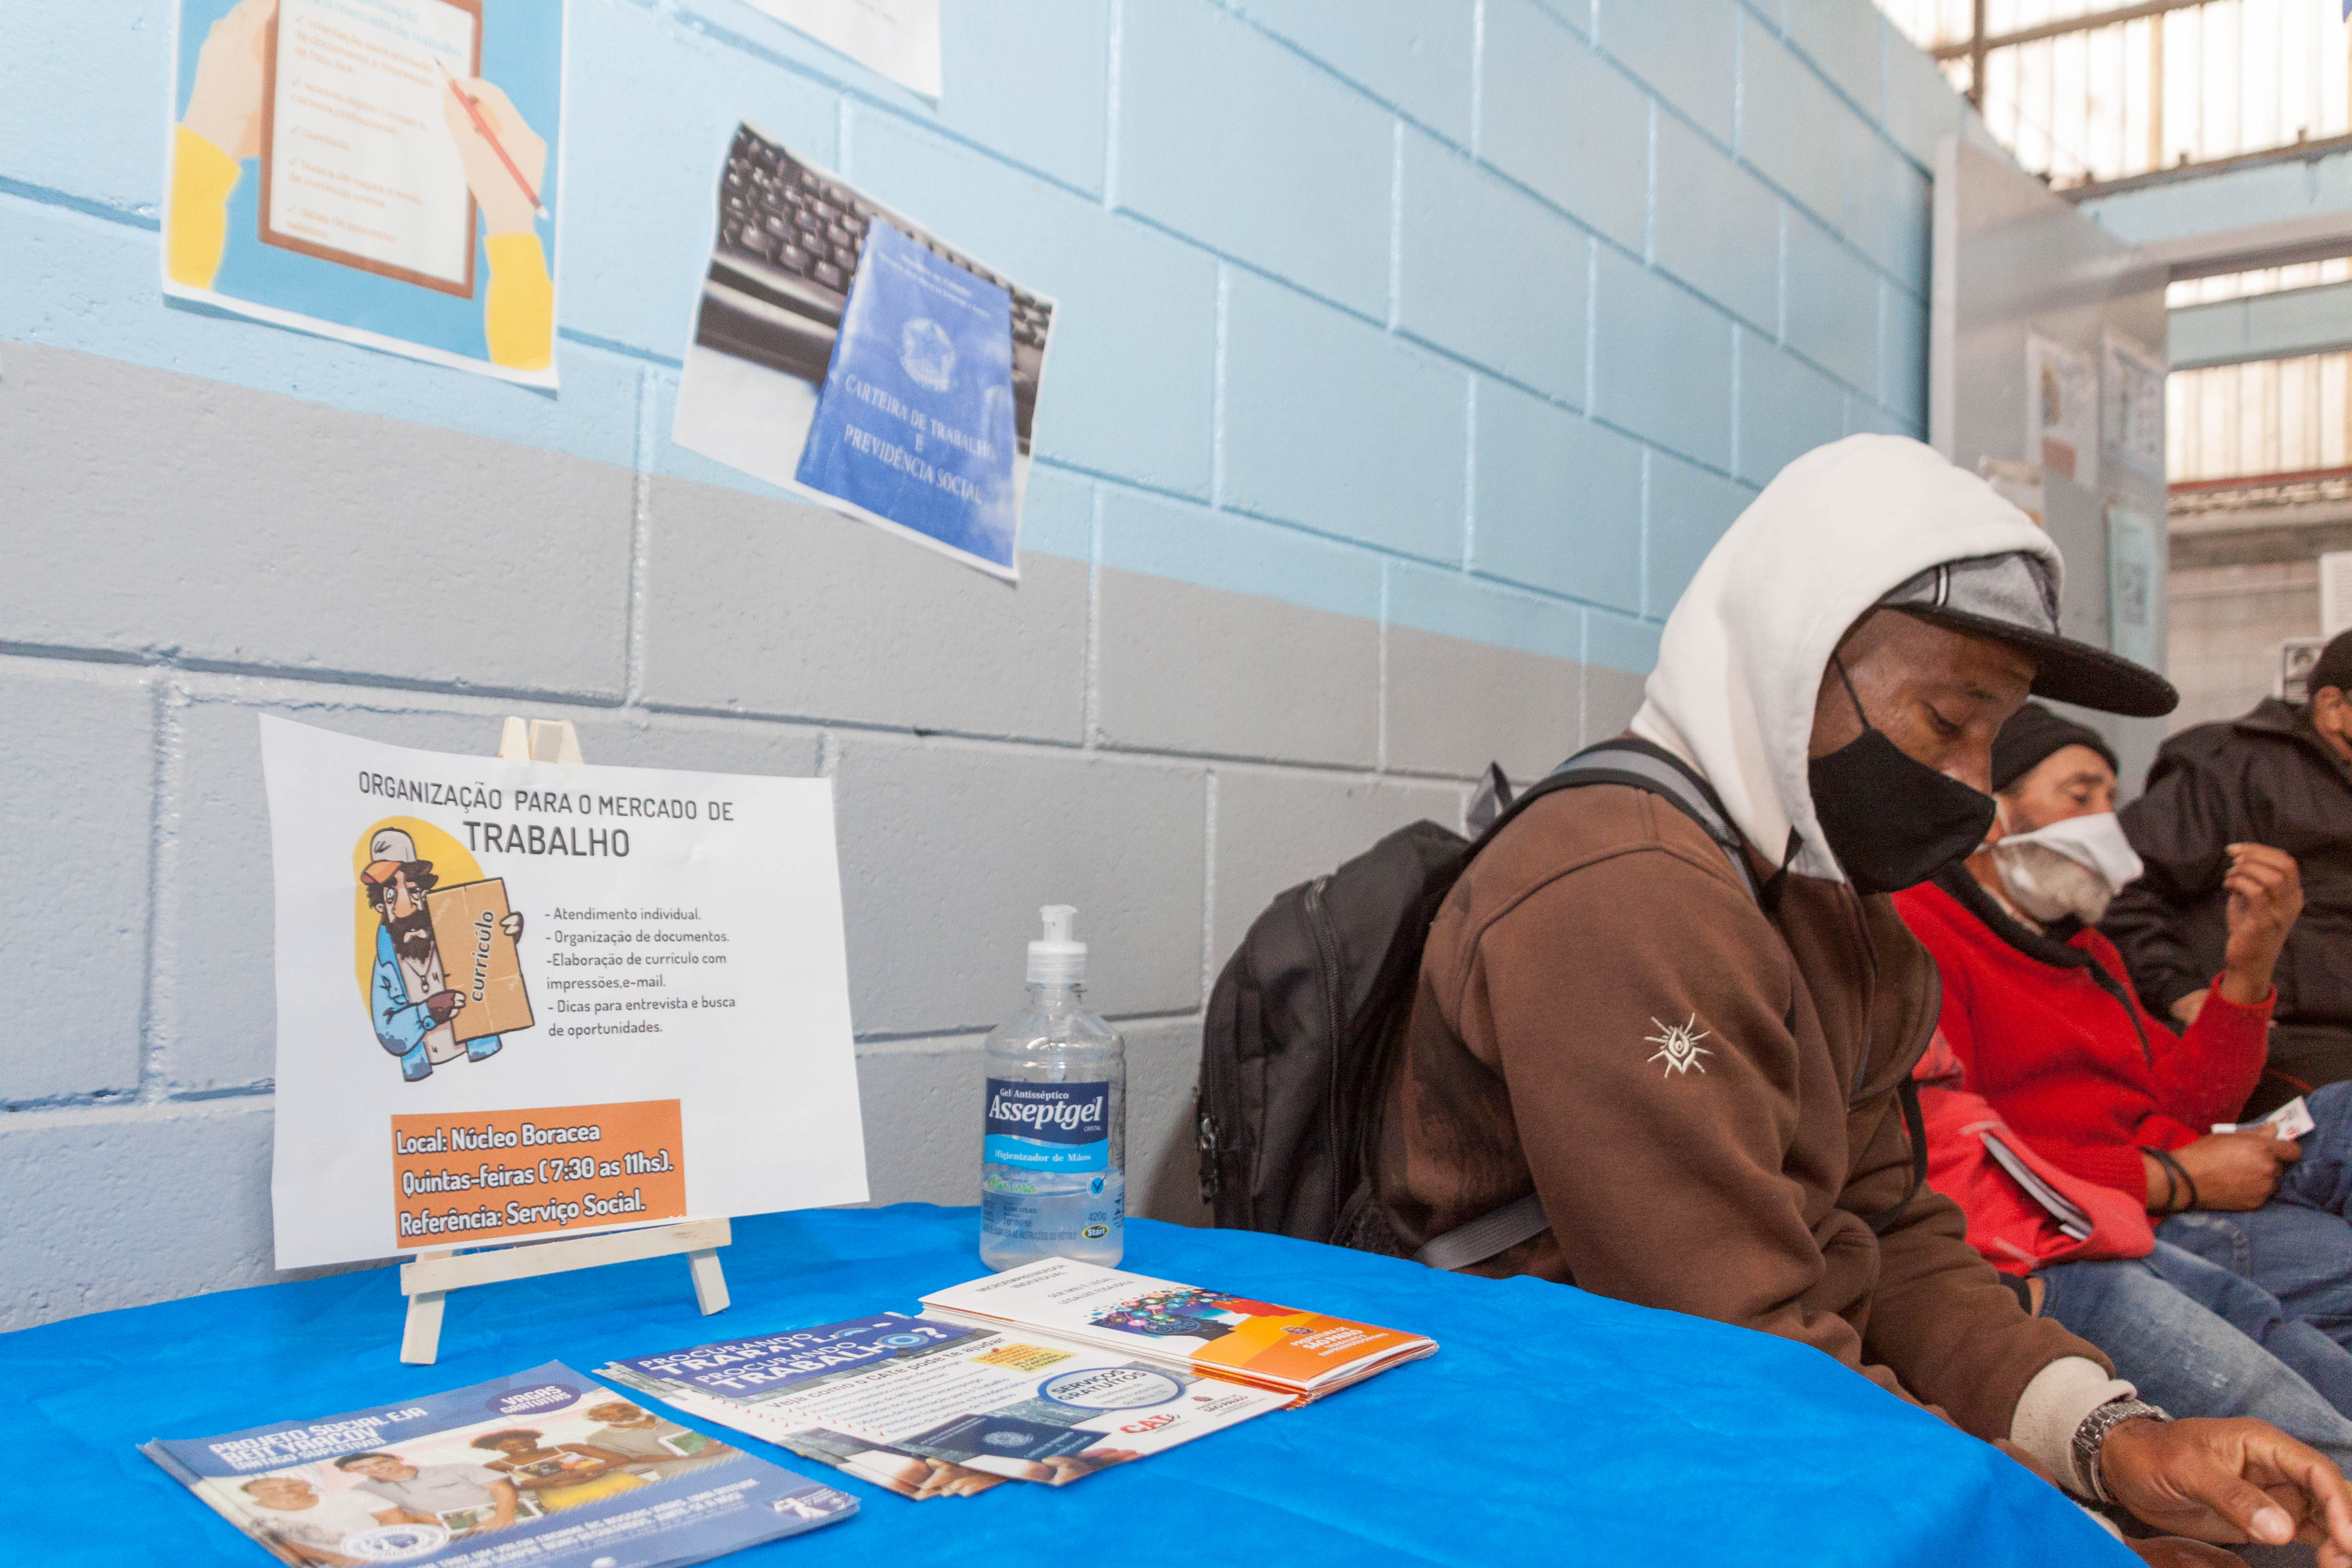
{"x": 1047, "y": 1126}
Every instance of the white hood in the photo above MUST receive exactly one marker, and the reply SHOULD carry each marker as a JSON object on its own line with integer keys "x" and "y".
{"x": 1743, "y": 653}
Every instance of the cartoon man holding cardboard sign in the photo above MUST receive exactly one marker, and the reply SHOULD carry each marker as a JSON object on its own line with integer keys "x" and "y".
{"x": 414, "y": 1007}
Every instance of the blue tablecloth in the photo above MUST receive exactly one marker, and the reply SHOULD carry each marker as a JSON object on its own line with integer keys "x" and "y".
{"x": 1551, "y": 1423}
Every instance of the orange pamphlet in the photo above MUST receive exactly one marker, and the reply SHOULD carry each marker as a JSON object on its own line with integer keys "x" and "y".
{"x": 1242, "y": 1340}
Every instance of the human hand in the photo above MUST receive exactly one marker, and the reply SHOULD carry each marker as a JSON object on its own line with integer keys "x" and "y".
{"x": 512, "y": 925}
{"x": 947, "y": 1479}
{"x": 2266, "y": 892}
{"x": 2230, "y": 1481}
{"x": 2235, "y": 1172}
{"x": 444, "y": 1005}
{"x": 506, "y": 208}
{"x": 2185, "y": 1009}
{"x": 225, "y": 105}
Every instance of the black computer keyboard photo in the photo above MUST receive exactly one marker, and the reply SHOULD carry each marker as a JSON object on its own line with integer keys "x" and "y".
{"x": 789, "y": 239}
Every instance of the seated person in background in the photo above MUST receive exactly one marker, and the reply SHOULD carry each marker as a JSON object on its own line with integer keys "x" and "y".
{"x": 1701, "y": 1079}
{"x": 2039, "y": 1011}
{"x": 2281, "y": 776}
{"x": 2195, "y": 1337}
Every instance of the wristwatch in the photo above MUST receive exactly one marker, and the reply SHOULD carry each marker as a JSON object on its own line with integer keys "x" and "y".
{"x": 2093, "y": 1434}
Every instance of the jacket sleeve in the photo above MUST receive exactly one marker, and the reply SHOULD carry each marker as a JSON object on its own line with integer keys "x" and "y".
{"x": 519, "y": 309}
{"x": 2217, "y": 1062}
{"x": 202, "y": 177}
{"x": 2182, "y": 829}
{"x": 1940, "y": 1317}
{"x": 1638, "y": 1011}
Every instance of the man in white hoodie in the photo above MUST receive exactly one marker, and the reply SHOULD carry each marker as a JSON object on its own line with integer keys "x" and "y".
{"x": 1695, "y": 1062}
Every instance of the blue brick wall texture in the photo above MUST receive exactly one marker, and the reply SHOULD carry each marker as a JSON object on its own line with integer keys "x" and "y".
{"x": 1412, "y": 353}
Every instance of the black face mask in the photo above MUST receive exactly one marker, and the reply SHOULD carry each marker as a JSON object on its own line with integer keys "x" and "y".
{"x": 1892, "y": 821}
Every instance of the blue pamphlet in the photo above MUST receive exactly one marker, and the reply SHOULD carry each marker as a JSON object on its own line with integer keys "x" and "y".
{"x": 767, "y": 1364}
{"x": 914, "y": 425}
{"x": 545, "y": 1467}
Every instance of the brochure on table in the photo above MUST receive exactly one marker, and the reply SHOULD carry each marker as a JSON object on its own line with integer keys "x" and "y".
{"x": 927, "y": 1408}
{"x": 1216, "y": 1332}
{"x": 520, "y": 1000}
{"x": 385, "y": 173}
{"x": 544, "y": 1468}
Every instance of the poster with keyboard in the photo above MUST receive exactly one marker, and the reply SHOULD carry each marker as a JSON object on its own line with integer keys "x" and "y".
{"x": 842, "y": 352}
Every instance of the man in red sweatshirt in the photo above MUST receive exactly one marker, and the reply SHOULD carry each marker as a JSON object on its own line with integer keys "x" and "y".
{"x": 2040, "y": 1010}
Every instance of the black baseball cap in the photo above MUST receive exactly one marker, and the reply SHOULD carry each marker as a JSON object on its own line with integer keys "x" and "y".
{"x": 2012, "y": 598}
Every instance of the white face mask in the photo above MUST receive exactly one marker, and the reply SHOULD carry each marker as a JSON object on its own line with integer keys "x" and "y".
{"x": 2069, "y": 867}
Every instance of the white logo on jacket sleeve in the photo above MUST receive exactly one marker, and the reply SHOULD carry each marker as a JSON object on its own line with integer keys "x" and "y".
{"x": 1678, "y": 1045}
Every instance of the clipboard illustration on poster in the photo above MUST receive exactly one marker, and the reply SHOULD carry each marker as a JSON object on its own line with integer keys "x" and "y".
{"x": 322, "y": 155}
{"x": 843, "y": 352}
{"x": 405, "y": 161}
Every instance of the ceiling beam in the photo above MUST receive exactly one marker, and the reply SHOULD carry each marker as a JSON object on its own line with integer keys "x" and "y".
{"x": 1980, "y": 45}
{"x": 2285, "y": 243}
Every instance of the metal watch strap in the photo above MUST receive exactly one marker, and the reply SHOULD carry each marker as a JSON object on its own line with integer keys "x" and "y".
{"x": 2092, "y": 1433}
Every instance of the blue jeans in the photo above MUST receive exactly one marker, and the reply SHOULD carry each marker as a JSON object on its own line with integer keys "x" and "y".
{"x": 2298, "y": 1246}
{"x": 2199, "y": 1340}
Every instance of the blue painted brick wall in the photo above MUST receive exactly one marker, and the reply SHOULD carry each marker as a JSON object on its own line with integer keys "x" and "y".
{"x": 1294, "y": 240}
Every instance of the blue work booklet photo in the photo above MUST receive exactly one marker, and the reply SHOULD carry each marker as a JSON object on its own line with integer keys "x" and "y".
{"x": 914, "y": 425}
{"x": 546, "y": 1468}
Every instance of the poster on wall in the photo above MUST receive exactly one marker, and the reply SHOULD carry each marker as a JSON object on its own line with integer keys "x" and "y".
{"x": 2133, "y": 583}
{"x": 898, "y": 39}
{"x": 380, "y": 171}
{"x": 521, "y": 1000}
{"x": 847, "y": 354}
{"x": 2132, "y": 408}
{"x": 2062, "y": 410}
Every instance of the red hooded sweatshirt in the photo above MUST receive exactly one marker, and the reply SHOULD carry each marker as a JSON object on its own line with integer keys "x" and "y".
{"x": 2082, "y": 1071}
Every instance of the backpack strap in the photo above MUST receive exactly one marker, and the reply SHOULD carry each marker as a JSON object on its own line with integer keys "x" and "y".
{"x": 1645, "y": 766}
{"x": 1499, "y": 1230}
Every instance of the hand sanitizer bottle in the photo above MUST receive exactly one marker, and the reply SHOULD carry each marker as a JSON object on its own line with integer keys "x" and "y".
{"x": 1054, "y": 1152}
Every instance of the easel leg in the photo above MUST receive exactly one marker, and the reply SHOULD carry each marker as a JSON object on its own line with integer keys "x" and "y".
{"x": 420, "y": 1343}
{"x": 709, "y": 1280}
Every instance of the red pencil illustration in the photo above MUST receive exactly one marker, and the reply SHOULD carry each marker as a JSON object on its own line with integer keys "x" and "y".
{"x": 483, "y": 126}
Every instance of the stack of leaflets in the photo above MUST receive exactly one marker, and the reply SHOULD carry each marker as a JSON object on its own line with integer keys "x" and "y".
{"x": 925, "y": 1408}
{"x": 544, "y": 1469}
{"x": 2073, "y": 1222}
{"x": 1303, "y": 1355}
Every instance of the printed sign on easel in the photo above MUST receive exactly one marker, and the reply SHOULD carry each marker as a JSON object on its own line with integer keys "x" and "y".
{"x": 523, "y": 1000}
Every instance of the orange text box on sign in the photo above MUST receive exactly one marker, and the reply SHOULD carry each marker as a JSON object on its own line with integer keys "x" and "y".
{"x": 474, "y": 1178}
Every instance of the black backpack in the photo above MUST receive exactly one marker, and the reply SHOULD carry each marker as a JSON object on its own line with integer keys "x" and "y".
{"x": 1305, "y": 1020}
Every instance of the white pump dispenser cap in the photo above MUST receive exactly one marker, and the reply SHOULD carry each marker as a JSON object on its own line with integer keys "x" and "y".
{"x": 1058, "y": 960}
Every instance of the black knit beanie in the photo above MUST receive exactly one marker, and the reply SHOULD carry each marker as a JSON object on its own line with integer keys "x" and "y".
{"x": 2034, "y": 732}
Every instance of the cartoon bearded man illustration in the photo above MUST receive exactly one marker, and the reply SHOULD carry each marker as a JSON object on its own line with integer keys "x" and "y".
{"x": 408, "y": 1000}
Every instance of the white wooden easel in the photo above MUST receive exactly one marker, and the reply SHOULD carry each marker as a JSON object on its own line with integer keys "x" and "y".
{"x": 427, "y": 1281}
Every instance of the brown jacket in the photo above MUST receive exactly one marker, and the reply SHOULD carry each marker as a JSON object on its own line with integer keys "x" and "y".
{"x": 1703, "y": 1091}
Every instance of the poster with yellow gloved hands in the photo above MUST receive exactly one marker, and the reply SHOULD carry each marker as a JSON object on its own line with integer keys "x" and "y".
{"x": 385, "y": 172}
